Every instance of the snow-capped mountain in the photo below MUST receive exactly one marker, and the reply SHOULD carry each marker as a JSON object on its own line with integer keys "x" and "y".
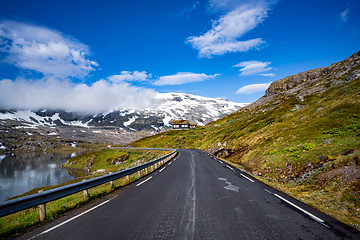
{"x": 196, "y": 109}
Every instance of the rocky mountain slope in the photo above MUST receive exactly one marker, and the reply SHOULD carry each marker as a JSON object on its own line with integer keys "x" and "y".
{"x": 200, "y": 110}
{"x": 302, "y": 136}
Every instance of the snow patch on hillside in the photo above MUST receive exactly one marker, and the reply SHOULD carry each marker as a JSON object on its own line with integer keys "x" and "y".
{"x": 131, "y": 120}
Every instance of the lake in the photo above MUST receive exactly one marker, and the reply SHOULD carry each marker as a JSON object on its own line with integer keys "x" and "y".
{"x": 23, "y": 172}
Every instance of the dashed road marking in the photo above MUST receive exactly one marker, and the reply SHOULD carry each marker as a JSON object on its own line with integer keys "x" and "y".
{"x": 247, "y": 177}
{"x": 162, "y": 169}
{"x": 143, "y": 181}
{"x": 268, "y": 191}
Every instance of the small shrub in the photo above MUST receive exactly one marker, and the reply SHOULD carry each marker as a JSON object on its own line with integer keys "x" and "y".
{"x": 310, "y": 181}
{"x": 270, "y": 152}
{"x": 333, "y": 132}
{"x": 308, "y": 146}
{"x": 292, "y": 152}
{"x": 354, "y": 128}
{"x": 348, "y": 196}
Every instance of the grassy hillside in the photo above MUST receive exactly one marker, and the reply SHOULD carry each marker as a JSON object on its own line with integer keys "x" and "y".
{"x": 111, "y": 160}
{"x": 304, "y": 139}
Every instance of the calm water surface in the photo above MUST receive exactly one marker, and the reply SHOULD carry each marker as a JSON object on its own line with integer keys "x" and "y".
{"x": 24, "y": 172}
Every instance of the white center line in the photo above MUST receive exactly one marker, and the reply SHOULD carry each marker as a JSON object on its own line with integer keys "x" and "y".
{"x": 59, "y": 225}
{"x": 143, "y": 181}
{"x": 299, "y": 208}
{"x": 162, "y": 169}
{"x": 246, "y": 177}
{"x": 169, "y": 163}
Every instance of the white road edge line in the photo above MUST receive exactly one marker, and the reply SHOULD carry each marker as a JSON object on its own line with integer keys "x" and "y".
{"x": 299, "y": 208}
{"x": 247, "y": 177}
{"x": 59, "y": 225}
{"x": 230, "y": 167}
{"x": 162, "y": 169}
{"x": 143, "y": 181}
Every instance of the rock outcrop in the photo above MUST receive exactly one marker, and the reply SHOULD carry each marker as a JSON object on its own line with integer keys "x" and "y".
{"x": 293, "y": 81}
{"x": 313, "y": 81}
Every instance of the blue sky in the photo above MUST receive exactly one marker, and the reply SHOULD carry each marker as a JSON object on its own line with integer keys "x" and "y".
{"x": 84, "y": 54}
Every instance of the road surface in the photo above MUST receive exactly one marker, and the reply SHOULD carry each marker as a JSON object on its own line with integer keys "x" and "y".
{"x": 195, "y": 197}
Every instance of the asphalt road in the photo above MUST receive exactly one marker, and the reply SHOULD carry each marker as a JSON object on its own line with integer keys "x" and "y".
{"x": 195, "y": 197}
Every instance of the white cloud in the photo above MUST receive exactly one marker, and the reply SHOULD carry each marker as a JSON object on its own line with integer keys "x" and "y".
{"x": 254, "y": 68}
{"x": 253, "y": 88}
{"x": 223, "y": 36}
{"x": 130, "y": 76}
{"x": 52, "y": 93}
{"x": 344, "y": 15}
{"x": 44, "y": 50}
{"x": 182, "y": 78}
{"x": 267, "y": 74}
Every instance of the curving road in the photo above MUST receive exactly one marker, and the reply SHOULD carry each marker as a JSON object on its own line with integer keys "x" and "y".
{"x": 195, "y": 197}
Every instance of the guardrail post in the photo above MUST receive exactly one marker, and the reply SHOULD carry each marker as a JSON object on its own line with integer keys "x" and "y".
{"x": 152, "y": 167}
{"x": 139, "y": 174}
{"x": 111, "y": 182}
{"x": 128, "y": 178}
{"x": 146, "y": 170}
{"x": 42, "y": 210}
{"x": 85, "y": 192}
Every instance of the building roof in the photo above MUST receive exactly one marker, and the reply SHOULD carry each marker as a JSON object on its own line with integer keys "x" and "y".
{"x": 180, "y": 122}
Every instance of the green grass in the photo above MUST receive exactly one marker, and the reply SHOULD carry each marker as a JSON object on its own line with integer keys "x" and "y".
{"x": 112, "y": 160}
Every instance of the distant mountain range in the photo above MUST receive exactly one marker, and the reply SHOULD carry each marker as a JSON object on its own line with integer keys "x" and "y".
{"x": 196, "y": 109}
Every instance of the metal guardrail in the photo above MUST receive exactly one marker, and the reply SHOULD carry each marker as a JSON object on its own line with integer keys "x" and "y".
{"x": 33, "y": 200}
{"x": 160, "y": 149}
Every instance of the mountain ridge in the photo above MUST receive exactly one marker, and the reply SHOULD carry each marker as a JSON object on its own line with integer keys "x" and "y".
{"x": 302, "y": 84}
{"x": 335, "y": 71}
{"x": 58, "y": 130}
{"x": 197, "y": 109}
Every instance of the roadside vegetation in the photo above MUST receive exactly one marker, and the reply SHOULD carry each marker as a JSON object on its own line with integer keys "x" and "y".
{"x": 110, "y": 160}
{"x": 308, "y": 147}
{"x": 104, "y": 159}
